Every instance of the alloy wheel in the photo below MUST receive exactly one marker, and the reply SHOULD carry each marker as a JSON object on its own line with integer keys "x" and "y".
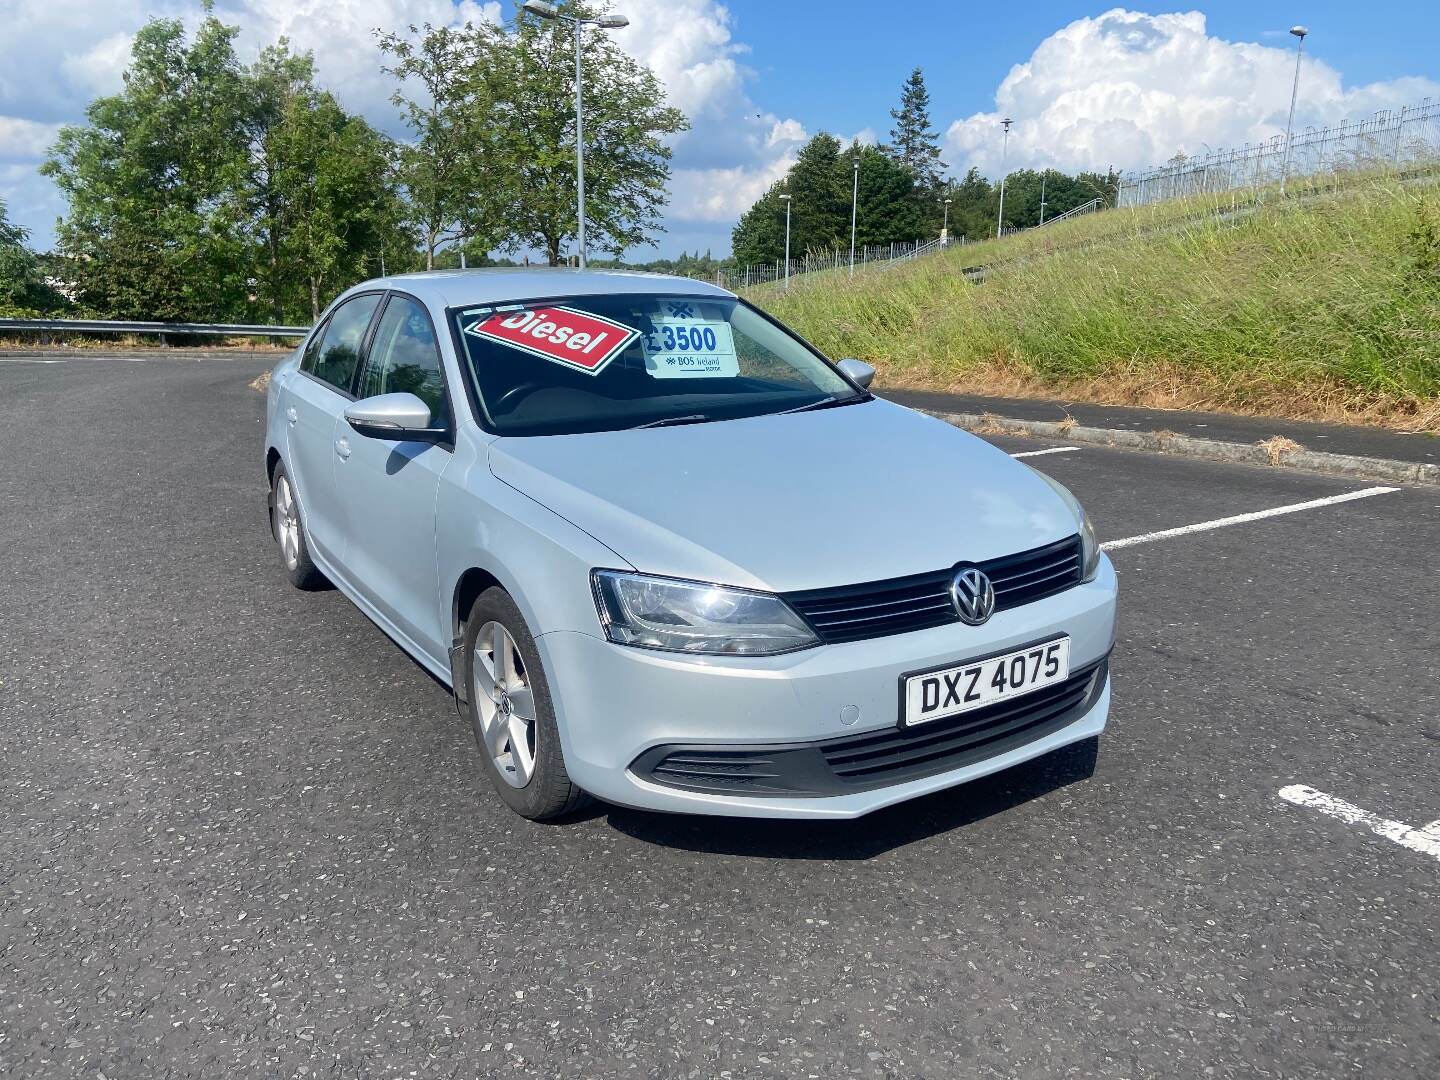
{"x": 505, "y": 703}
{"x": 287, "y": 522}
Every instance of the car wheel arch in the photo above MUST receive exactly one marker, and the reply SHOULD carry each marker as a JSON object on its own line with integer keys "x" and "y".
{"x": 273, "y": 461}
{"x": 468, "y": 587}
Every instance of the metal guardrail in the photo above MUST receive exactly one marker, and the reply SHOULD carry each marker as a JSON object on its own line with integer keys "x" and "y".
{"x": 1075, "y": 211}
{"x": 161, "y": 330}
{"x": 940, "y": 243}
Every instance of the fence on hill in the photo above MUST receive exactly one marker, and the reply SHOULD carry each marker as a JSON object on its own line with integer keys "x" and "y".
{"x": 1401, "y": 139}
{"x": 742, "y": 277}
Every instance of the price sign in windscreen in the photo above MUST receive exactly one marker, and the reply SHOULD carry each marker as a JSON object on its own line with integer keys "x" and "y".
{"x": 683, "y": 344}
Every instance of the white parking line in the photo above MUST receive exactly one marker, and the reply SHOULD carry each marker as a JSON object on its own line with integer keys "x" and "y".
{"x": 26, "y": 360}
{"x": 1425, "y": 840}
{"x": 1052, "y": 450}
{"x": 1240, "y": 519}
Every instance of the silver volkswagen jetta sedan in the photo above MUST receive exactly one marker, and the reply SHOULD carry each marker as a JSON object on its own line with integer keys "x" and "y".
{"x": 667, "y": 554}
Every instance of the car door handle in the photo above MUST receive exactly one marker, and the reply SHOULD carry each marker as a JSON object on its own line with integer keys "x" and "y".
{"x": 342, "y": 447}
{"x": 291, "y": 415}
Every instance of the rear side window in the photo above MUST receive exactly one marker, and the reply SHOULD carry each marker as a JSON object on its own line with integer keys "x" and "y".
{"x": 337, "y": 357}
{"x": 404, "y": 358}
{"x": 312, "y": 350}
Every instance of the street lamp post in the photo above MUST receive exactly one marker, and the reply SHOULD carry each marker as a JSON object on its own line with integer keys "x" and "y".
{"x": 1043, "y": 177}
{"x": 854, "y": 205}
{"x": 786, "y": 198}
{"x": 1300, "y": 32}
{"x": 604, "y": 22}
{"x": 1004, "y": 154}
{"x": 945, "y": 226}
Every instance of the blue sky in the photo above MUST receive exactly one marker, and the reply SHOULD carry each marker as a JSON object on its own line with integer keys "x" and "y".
{"x": 1089, "y": 85}
{"x": 848, "y": 74}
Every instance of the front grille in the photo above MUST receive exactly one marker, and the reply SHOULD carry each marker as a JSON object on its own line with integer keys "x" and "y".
{"x": 1034, "y": 575}
{"x": 921, "y": 601}
{"x": 897, "y": 754}
{"x": 876, "y": 758}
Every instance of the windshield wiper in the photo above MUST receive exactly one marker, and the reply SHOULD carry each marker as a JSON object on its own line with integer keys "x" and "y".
{"x": 826, "y": 403}
{"x": 674, "y": 421}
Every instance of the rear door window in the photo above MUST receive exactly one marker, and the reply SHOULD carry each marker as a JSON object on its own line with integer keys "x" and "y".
{"x": 312, "y": 350}
{"x": 339, "y": 353}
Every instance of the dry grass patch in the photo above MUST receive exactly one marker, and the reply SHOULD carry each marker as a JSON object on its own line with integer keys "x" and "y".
{"x": 1278, "y": 448}
{"x": 990, "y": 425}
{"x": 1164, "y": 389}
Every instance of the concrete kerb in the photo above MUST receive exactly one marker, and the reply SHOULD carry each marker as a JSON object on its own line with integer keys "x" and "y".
{"x": 1279, "y": 453}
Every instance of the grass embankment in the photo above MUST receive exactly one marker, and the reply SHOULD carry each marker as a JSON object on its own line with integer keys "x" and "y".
{"x": 1325, "y": 305}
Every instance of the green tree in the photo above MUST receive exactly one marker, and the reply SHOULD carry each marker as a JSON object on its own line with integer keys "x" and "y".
{"x": 887, "y": 209}
{"x": 1061, "y": 192}
{"x": 155, "y": 181}
{"x": 325, "y": 208}
{"x": 206, "y": 190}
{"x": 819, "y": 185}
{"x": 627, "y": 123}
{"x": 912, "y": 143}
{"x": 1102, "y": 186}
{"x": 23, "y": 288}
{"x": 759, "y": 235}
{"x": 973, "y": 204}
{"x": 450, "y": 168}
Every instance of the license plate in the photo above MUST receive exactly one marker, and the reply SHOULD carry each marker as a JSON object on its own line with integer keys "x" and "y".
{"x": 950, "y": 691}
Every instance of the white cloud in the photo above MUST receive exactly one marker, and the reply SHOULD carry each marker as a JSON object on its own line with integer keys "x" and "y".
{"x": 687, "y": 44}
{"x": 1129, "y": 89}
{"x": 785, "y": 131}
{"x": 734, "y": 151}
{"x": 22, "y": 139}
{"x": 722, "y": 195}
{"x": 98, "y": 69}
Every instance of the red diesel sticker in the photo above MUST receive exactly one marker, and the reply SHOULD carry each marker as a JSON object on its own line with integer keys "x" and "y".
{"x": 573, "y": 338}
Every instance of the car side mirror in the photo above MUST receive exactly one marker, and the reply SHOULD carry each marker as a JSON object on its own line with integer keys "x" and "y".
{"x": 858, "y": 372}
{"x": 393, "y": 417}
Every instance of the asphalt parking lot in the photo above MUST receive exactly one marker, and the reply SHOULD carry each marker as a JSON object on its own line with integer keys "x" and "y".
{"x": 244, "y": 835}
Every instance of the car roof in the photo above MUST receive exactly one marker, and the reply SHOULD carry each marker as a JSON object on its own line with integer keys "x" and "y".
{"x": 504, "y": 284}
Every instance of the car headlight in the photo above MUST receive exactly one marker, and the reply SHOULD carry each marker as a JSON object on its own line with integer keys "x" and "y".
{"x": 692, "y": 617}
{"x": 1089, "y": 548}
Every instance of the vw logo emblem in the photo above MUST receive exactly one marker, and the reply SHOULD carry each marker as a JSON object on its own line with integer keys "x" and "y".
{"x": 973, "y": 595}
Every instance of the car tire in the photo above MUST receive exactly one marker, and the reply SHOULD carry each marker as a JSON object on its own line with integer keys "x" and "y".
{"x": 288, "y": 529}
{"x": 533, "y": 782}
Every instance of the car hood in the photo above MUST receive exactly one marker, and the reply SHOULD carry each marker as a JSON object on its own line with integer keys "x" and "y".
{"x": 830, "y": 497}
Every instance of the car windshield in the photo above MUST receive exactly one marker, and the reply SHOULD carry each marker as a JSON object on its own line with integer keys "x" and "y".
{"x": 606, "y": 363}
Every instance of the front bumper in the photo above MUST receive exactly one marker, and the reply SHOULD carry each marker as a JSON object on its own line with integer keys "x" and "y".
{"x": 621, "y": 710}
